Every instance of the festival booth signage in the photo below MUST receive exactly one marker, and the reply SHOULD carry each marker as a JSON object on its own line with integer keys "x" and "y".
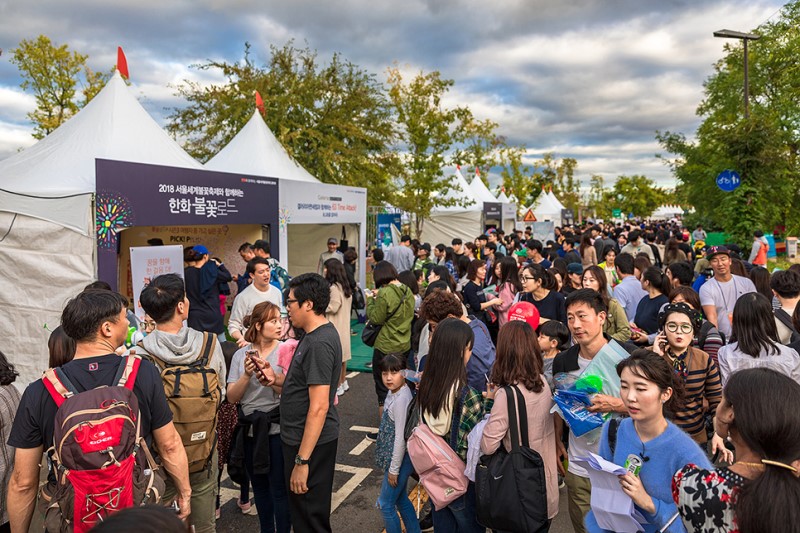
{"x": 136, "y": 194}
{"x": 148, "y": 262}
{"x": 311, "y": 213}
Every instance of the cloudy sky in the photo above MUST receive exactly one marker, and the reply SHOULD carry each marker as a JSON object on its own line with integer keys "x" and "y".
{"x": 590, "y": 79}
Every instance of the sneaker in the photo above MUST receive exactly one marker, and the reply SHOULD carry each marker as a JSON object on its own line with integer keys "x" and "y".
{"x": 372, "y": 436}
{"x": 346, "y": 386}
{"x": 340, "y": 390}
{"x": 247, "y": 508}
{"x": 426, "y": 522}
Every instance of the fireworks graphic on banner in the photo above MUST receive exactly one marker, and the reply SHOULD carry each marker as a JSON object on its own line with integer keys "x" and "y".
{"x": 283, "y": 218}
{"x": 112, "y": 214}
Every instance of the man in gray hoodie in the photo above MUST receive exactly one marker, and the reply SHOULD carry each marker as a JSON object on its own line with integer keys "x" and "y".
{"x": 164, "y": 300}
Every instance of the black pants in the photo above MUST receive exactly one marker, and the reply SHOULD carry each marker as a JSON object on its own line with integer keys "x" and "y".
{"x": 380, "y": 389}
{"x": 311, "y": 512}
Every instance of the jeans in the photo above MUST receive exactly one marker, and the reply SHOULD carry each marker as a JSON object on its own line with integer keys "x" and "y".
{"x": 394, "y": 499}
{"x": 269, "y": 490}
{"x": 460, "y": 516}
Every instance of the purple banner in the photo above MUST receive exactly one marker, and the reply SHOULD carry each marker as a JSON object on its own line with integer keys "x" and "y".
{"x": 137, "y": 194}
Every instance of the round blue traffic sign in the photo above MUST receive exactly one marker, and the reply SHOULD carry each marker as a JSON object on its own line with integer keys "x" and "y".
{"x": 728, "y": 180}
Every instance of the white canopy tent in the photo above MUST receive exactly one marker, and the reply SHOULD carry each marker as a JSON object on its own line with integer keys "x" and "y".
{"x": 310, "y": 211}
{"x": 46, "y": 214}
{"x": 547, "y": 208}
{"x": 667, "y": 212}
{"x": 448, "y": 223}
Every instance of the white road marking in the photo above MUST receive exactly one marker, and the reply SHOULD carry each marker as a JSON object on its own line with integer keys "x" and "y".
{"x": 364, "y": 429}
{"x": 359, "y": 475}
{"x": 351, "y": 375}
{"x": 360, "y": 447}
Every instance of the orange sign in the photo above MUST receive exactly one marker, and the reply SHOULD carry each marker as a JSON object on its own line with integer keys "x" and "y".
{"x": 529, "y": 216}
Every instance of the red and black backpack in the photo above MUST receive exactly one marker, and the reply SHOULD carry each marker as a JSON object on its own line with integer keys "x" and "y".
{"x": 100, "y": 460}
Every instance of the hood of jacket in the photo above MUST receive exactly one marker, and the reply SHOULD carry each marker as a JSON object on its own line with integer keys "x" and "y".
{"x": 180, "y": 348}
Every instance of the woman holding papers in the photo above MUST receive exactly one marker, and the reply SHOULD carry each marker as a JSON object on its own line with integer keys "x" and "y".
{"x": 647, "y": 440}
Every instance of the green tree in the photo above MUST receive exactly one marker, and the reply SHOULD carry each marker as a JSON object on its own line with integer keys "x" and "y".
{"x": 634, "y": 194}
{"x": 516, "y": 176}
{"x": 53, "y": 73}
{"x": 426, "y": 137}
{"x": 596, "y": 199}
{"x": 762, "y": 149}
{"x": 560, "y": 175}
{"x": 479, "y": 145}
{"x": 334, "y": 119}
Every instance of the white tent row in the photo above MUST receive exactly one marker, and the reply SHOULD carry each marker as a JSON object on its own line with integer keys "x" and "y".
{"x": 667, "y": 212}
{"x": 547, "y": 208}
{"x": 49, "y": 248}
{"x": 462, "y": 222}
{"x": 310, "y": 211}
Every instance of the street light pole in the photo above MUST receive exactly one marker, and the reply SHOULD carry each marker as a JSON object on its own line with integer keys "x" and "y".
{"x": 730, "y": 34}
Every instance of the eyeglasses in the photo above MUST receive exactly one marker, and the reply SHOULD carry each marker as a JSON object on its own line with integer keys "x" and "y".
{"x": 290, "y": 301}
{"x": 527, "y": 278}
{"x": 685, "y": 328}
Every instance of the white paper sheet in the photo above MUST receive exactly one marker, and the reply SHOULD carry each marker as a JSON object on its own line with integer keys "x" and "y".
{"x": 613, "y": 509}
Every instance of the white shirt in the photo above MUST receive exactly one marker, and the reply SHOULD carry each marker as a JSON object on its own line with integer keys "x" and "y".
{"x": 589, "y": 442}
{"x": 731, "y": 359}
{"x": 723, "y": 296}
{"x": 245, "y": 302}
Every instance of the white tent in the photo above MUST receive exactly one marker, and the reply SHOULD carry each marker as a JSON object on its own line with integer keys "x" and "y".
{"x": 555, "y": 200}
{"x": 46, "y": 215}
{"x": 509, "y": 211}
{"x": 481, "y": 191}
{"x": 666, "y": 212}
{"x": 547, "y": 208}
{"x": 310, "y": 211}
{"x": 463, "y": 222}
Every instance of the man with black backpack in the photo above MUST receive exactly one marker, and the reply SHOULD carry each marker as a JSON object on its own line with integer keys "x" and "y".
{"x": 96, "y": 320}
{"x": 192, "y": 369}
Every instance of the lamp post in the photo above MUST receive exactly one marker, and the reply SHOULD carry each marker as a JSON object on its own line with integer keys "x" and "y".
{"x": 730, "y": 34}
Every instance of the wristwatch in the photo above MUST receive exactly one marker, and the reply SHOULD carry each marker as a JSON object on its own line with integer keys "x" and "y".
{"x": 299, "y": 460}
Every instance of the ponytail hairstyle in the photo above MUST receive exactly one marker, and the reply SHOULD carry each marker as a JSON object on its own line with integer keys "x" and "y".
{"x": 764, "y": 404}
{"x": 657, "y": 280}
{"x": 262, "y": 312}
{"x": 539, "y": 273}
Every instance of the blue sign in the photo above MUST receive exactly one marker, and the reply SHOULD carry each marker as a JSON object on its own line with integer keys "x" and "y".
{"x": 728, "y": 180}
{"x": 384, "y": 233}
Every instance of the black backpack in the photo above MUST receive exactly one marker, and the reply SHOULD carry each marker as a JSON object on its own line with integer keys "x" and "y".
{"x": 702, "y": 336}
{"x": 510, "y": 487}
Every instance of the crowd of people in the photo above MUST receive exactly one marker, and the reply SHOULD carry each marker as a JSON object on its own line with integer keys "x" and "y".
{"x": 473, "y": 343}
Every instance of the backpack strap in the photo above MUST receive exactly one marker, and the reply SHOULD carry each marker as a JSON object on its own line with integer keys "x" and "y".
{"x": 127, "y": 371}
{"x": 58, "y": 385}
{"x": 613, "y": 426}
{"x": 208, "y": 348}
{"x": 785, "y": 319}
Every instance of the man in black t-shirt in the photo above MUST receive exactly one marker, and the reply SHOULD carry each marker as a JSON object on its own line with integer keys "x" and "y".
{"x": 309, "y": 421}
{"x": 96, "y": 320}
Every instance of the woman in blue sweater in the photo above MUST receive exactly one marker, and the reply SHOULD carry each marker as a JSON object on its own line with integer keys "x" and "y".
{"x": 648, "y": 387}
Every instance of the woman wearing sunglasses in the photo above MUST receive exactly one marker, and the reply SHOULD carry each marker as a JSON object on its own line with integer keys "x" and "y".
{"x": 696, "y": 370}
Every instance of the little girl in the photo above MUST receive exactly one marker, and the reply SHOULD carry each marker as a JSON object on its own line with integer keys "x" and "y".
{"x": 390, "y": 449}
{"x": 553, "y": 337}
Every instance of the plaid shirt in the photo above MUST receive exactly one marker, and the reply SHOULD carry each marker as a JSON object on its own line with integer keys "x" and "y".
{"x": 474, "y": 408}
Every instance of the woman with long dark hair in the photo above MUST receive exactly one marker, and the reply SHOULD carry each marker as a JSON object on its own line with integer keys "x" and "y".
{"x": 587, "y": 250}
{"x": 754, "y": 341}
{"x": 616, "y": 325}
{"x": 645, "y": 321}
{"x": 339, "y": 310}
{"x": 760, "y": 277}
{"x": 672, "y": 253}
{"x": 438, "y": 272}
{"x": 444, "y": 397}
{"x": 539, "y": 288}
{"x": 519, "y": 364}
{"x": 508, "y": 286}
{"x": 609, "y": 256}
{"x": 760, "y": 492}
{"x": 649, "y": 388}
{"x": 475, "y": 299}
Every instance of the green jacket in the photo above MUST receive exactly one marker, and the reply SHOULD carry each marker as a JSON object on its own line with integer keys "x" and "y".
{"x": 392, "y": 308}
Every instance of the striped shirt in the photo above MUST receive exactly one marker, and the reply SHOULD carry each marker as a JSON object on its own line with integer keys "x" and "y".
{"x": 9, "y": 402}
{"x": 702, "y": 385}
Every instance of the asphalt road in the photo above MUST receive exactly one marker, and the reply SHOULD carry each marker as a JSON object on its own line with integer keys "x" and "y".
{"x": 357, "y": 481}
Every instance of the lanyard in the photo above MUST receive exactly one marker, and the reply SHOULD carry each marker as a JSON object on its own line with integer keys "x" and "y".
{"x": 722, "y": 292}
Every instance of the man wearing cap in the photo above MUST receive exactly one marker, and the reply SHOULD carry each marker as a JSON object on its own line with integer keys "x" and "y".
{"x": 331, "y": 253}
{"x": 573, "y": 281}
{"x": 719, "y": 294}
{"x": 423, "y": 261}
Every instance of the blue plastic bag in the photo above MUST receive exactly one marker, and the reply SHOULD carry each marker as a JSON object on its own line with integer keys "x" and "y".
{"x": 573, "y": 406}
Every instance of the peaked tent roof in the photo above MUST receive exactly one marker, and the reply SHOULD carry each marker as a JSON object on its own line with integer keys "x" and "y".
{"x": 555, "y": 199}
{"x": 256, "y": 151}
{"x": 460, "y": 190}
{"x": 503, "y": 197}
{"x": 546, "y": 206}
{"x": 114, "y": 125}
{"x": 481, "y": 191}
